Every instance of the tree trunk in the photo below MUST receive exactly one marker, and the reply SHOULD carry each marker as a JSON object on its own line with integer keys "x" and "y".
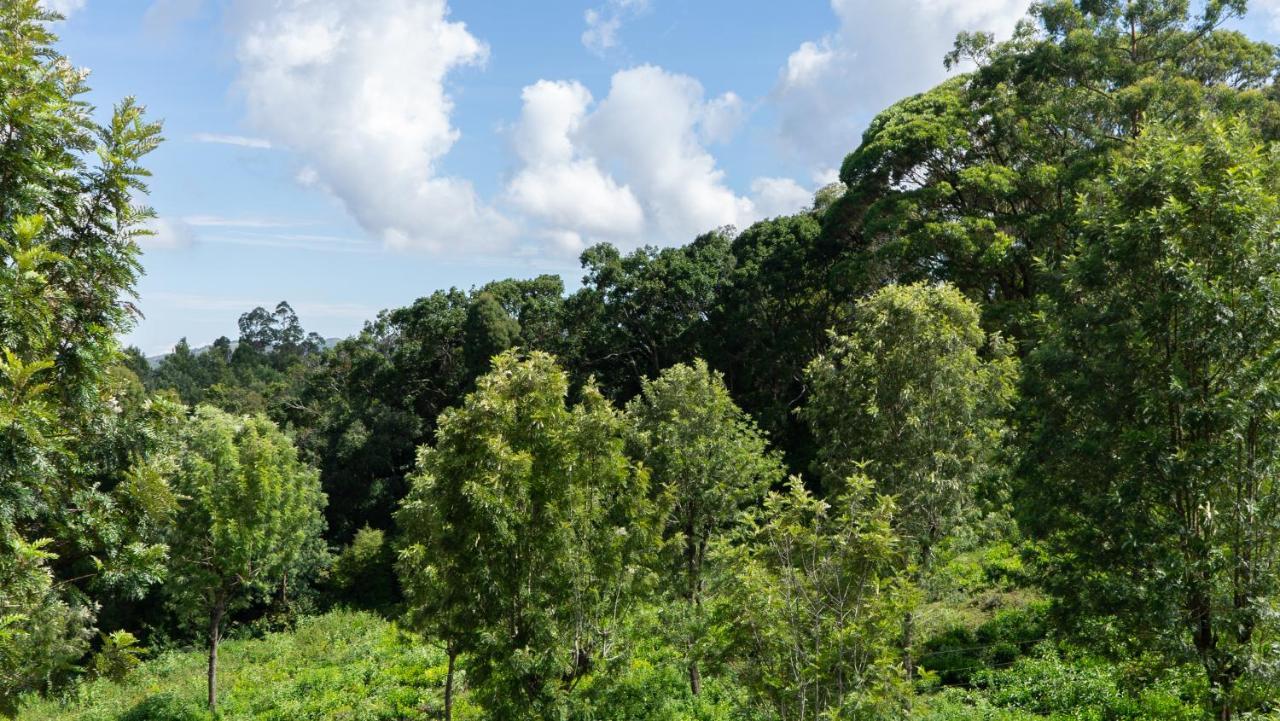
{"x": 215, "y": 634}
{"x": 908, "y": 640}
{"x": 448, "y": 685}
{"x": 695, "y": 678}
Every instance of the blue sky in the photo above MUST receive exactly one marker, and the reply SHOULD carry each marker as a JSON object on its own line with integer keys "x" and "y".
{"x": 352, "y": 155}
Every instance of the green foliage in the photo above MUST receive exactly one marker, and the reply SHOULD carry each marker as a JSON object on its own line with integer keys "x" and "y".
{"x": 636, "y": 314}
{"x": 363, "y": 571}
{"x": 953, "y": 657}
{"x": 1149, "y": 474}
{"x": 909, "y": 399}
{"x": 815, "y": 602}
{"x": 708, "y": 462}
{"x": 974, "y": 182}
{"x": 40, "y": 633}
{"x": 525, "y": 529}
{"x": 250, "y": 512}
{"x": 489, "y": 331}
{"x": 343, "y": 665}
{"x": 69, "y": 219}
{"x": 771, "y": 318}
{"x": 118, "y": 655}
{"x": 163, "y": 707}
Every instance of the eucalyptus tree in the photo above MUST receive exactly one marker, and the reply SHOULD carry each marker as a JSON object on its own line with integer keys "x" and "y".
{"x": 249, "y": 510}
{"x": 525, "y": 531}
{"x": 708, "y": 462}
{"x": 1153, "y": 440}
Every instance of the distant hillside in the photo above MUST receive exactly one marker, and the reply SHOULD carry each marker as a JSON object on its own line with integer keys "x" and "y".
{"x": 155, "y": 359}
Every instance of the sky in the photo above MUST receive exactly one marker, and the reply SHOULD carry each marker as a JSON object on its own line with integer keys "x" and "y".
{"x": 352, "y": 155}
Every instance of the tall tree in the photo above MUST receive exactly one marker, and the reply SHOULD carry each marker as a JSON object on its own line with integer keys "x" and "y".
{"x": 974, "y": 182}
{"x": 523, "y": 530}
{"x": 639, "y": 313}
{"x": 374, "y": 399}
{"x": 1149, "y": 474}
{"x": 69, "y": 220}
{"x": 489, "y": 331}
{"x": 708, "y": 462}
{"x": 771, "y": 318}
{"x": 915, "y": 398}
{"x": 250, "y": 509}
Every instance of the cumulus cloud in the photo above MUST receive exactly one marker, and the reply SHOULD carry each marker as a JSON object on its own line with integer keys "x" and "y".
{"x": 65, "y": 8}
{"x": 561, "y": 184}
{"x": 604, "y": 22}
{"x": 830, "y": 87}
{"x": 358, "y": 91}
{"x": 779, "y": 196}
{"x": 634, "y": 167}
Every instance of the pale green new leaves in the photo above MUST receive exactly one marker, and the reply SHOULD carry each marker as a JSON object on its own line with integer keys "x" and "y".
{"x": 526, "y": 529}
{"x": 249, "y": 507}
{"x": 816, "y": 602}
{"x": 708, "y": 461}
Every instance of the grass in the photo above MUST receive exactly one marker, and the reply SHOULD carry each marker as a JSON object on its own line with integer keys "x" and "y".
{"x": 342, "y": 665}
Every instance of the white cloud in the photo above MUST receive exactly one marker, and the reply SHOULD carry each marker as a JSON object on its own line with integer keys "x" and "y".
{"x": 632, "y": 168}
{"x": 559, "y": 184}
{"x": 779, "y": 196}
{"x": 1268, "y": 12}
{"x": 721, "y": 118}
{"x": 604, "y": 22}
{"x": 65, "y": 8}
{"x": 237, "y": 140}
{"x": 830, "y": 88}
{"x": 358, "y": 91}
{"x": 167, "y": 234}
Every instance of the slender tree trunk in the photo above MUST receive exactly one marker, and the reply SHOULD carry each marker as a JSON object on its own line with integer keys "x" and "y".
{"x": 908, "y": 640}
{"x": 215, "y": 635}
{"x": 448, "y": 684}
{"x": 695, "y": 678}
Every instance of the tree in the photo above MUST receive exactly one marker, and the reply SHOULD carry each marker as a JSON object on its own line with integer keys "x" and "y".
{"x": 639, "y": 313}
{"x": 771, "y": 318}
{"x": 69, "y": 220}
{"x": 374, "y": 399}
{"x": 523, "y": 532}
{"x": 707, "y": 462}
{"x": 537, "y": 305}
{"x": 1149, "y": 471}
{"x": 974, "y": 182}
{"x": 249, "y": 509}
{"x": 489, "y": 331}
{"x": 814, "y": 597}
{"x": 908, "y": 399}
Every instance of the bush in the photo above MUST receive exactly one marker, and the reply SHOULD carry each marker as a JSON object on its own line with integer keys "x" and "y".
{"x": 164, "y": 707}
{"x": 364, "y": 573}
{"x": 118, "y": 656}
{"x": 957, "y": 654}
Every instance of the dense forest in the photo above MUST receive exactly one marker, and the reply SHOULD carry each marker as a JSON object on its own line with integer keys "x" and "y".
{"x": 989, "y": 431}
